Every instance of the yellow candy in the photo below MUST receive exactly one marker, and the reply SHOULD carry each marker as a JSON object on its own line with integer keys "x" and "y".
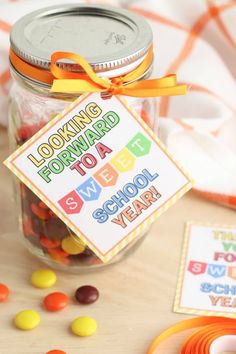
{"x": 27, "y": 320}
{"x": 43, "y": 278}
{"x": 72, "y": 246}
{"x": 84, "y": 326}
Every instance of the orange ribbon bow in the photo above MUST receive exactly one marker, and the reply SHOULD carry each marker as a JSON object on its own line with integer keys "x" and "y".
{"x": 71, "y": 82}
{"x": 201, "y": 341}
{"x": 64, "y": 81}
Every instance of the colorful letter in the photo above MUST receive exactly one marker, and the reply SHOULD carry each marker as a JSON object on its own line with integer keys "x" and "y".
{"x": 216, "y": 270}
{"x": 71, "y": 203}
{"x": 103, "y": 150}
{"x": 89, "y": 190}
{"x": 106, "y": 176}
{"x": 123, "y": 161}
{"x": 139, "y": 145}
{"x": 197, "y": 268}
{"x": 232, "y": 272}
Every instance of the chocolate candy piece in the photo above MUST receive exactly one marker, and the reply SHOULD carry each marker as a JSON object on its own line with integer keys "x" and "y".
{"x": 86, "y": 294}
{"x": 55, "y": 227}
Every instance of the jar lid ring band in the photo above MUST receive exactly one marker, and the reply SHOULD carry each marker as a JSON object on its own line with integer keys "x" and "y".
{"x": 64, "y": 81}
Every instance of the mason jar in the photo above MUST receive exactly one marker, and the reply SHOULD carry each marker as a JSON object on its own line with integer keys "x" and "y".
{"x": 114, "y": 41}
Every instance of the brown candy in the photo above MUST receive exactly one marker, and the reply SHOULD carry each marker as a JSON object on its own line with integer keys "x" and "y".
{"x": 86, "y": 294}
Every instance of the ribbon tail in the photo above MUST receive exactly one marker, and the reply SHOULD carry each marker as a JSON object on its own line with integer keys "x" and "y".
{"x": 166, "y": 81}
{"x": 153, "y": 91}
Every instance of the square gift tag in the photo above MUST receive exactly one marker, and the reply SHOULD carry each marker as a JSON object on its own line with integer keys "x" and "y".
{"x": 102, "y": 171}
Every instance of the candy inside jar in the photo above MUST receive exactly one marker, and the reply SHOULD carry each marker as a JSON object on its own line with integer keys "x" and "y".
{"x": 44, "y": 232}
{"x": 33, "y": 105}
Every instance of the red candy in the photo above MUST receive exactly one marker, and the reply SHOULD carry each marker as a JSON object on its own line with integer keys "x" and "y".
{"x": 26, "y": 131}
{"x": 56, "y": 301}
{"x": 52, "y": 214}
{"x": 47, "y": 243}
{"x": 4, "y": 292}
{"x": 56, "y": 351}
{"x": 43, "y": 205}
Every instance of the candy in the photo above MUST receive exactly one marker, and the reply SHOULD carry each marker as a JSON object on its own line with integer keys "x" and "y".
{"x": 57, "y": 252}
{"x": 26, "y": 131}
{"x": 56, "y": 351}
{"x": 86, "y": 294}
{"x": 52, "y": 214}
{"x": 72, "y": 246}
{"x": 41, "y": 213}
{"x": 27, "y": 319}
{"x": 4, "y": 292}
{"x": 59, "y": 255}
{"x": 56, "y": 301}
{"x": 27, "y": 227}
{"x": 55, "y": 226}
{"x": 84, "y": 326}
{"x": 47, "y": 243}
{"x": 43, "y": 278}
{"x": 43, "y": 205}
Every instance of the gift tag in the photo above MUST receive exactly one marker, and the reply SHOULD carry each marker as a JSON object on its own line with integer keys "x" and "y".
{"x": 102, "y": 171}
{"x": 206, "y": 284}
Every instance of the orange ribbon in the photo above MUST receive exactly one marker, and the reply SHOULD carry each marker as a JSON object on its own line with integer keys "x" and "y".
{"x": 64, "y": 81}
{"x": 201, "y": 341}
{"x": 29, "y": 70}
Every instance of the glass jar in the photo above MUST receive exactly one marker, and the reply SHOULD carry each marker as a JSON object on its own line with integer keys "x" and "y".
{"x": 114, "y": 41}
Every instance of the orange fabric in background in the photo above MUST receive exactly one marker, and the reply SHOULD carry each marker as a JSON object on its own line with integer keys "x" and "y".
{"x": 225, "y": 191}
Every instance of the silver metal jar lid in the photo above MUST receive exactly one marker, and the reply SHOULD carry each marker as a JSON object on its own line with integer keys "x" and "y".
{"x": 111, "y": 39}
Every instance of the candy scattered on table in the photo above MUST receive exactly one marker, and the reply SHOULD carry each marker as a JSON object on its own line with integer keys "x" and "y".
{"x": 56, "y": 301}
{"x": 71, "y": 246}
{"x": 86, "y": 294}
{"x": 43, "y": 278}
{"x": 56, "y": 351}
{"x": 27, "y": 320}
{"x": 4, "y": 292}
{"x": 84, "y": 326}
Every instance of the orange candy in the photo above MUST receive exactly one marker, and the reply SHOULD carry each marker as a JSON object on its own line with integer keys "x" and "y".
{"x": 28, "y": 227}
{"x": 56, "y": 351}
{"x": 4, "y": 292}
{"x": 41, "y": 213}
{"x": 58, "y": 252}
{"x": 58, "y": 255}
{"x": 56, "y": 301}
{"x": 47, "y": 243}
